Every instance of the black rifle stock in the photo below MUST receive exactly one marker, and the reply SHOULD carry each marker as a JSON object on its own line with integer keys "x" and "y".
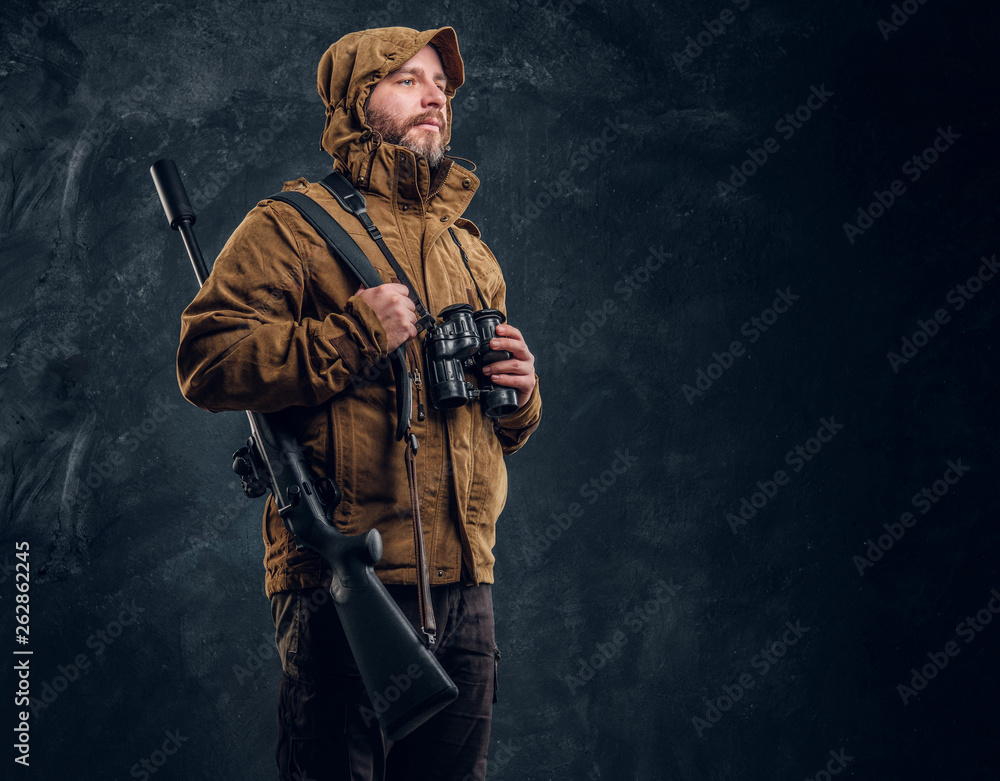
{"x": 404, "y": 680}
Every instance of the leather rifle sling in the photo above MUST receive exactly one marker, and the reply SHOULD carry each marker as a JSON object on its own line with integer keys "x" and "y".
{"x": 343, "y": 247}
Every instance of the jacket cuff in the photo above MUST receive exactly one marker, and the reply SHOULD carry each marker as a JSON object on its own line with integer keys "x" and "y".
{"x": 371, "y": 334}
{"x": 526, "y": 416}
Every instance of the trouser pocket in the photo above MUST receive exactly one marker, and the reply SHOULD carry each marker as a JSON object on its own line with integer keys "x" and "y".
{"x": 319, "y": 695}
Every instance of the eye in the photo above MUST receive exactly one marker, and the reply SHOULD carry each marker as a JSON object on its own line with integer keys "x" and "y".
{"x": 405, "y": 80}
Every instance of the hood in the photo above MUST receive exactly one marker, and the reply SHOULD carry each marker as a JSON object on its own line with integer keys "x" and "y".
{"x": 349, "y": 71}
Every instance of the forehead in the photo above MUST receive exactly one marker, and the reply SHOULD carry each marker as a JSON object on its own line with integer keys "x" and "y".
{"x": 426, "y": 60}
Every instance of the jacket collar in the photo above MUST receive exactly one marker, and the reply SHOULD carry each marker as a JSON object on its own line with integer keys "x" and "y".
{"x": 403, "y": 177}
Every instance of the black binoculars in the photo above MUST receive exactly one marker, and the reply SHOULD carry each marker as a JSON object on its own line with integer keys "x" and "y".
{"x": 460, "y": 341}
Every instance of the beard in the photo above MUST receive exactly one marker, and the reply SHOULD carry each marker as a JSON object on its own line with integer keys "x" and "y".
{"x": 394, "y": 129}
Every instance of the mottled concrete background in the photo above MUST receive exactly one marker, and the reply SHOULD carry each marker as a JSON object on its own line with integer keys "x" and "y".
{"x": 756, "y": 534}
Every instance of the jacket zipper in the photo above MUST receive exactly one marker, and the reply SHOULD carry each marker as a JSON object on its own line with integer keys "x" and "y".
{"x": 376, "y": 143}
{"x": 417, "y": 380}
{"x": 441, "y": 185}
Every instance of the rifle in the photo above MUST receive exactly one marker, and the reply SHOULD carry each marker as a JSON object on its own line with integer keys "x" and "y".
{"x": 404, "y": 681}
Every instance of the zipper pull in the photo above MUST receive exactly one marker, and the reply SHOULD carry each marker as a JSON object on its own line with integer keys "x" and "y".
{"x": 420, "y": 407}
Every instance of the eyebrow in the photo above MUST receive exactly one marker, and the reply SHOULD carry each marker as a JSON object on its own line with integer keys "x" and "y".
{"x": 415, "y": 71}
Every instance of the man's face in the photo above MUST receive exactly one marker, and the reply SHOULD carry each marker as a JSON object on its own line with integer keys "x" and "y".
{"x": 408, "y": 106}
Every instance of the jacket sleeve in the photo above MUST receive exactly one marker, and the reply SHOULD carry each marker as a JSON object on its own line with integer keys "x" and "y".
{"x": 244, "y": 343}
{"x": 513, "y": 431}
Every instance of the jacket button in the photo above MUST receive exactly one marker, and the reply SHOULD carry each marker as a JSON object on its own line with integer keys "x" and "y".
{"x": 404, "y": 207}
{"x": 444, "y": 219}
{"x": 466, "y": 183}
{"x": 440, "y": 573}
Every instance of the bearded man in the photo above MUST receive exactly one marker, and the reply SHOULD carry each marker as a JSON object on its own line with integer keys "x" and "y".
{"x": 281, "y": 326}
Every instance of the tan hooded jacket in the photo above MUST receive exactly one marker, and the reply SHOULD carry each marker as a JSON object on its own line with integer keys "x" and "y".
{"x": 277, "y": 327}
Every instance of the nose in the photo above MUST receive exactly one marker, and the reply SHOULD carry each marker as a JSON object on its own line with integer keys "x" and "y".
{"x": 433, "y": 97}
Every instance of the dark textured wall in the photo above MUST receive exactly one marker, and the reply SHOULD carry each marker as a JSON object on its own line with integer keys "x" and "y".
{"x": 717, "y": 604}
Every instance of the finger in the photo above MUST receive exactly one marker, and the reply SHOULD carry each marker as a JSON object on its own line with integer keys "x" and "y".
{"x": 516, "y": 346}
{"x": 392, "y": 289}
{"x": 507, "y": 367}
{"x": 506, "y": 329}
{"x": 360, "y": 288}
{"x": 515, "y": 381}
{"x": 403, "y": 311}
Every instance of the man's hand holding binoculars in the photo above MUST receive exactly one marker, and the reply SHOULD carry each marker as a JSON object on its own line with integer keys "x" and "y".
{"x": 392, "y": 304}
{"x": 519, "y": 371}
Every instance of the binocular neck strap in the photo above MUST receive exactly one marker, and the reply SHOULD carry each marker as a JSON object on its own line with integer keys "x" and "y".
{"x": 465, "y": 260}
{"x": 353, "y": 201}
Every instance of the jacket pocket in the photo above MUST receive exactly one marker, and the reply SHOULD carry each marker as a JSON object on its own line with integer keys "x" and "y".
{"x": 377, "y": 458}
